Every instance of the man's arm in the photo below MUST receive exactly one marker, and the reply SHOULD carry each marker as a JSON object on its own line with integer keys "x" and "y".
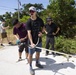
{"x": 17, "y": 37}
{"x": 45, "y": 30}
{"x": 30, "y": 36}
{"x": 40, "y": 33}
{"x": 5, "y": 27}
{"x": 22, "y": 39}
{"x": 56, "y": 31}
{"x": 42, "y": 28}
{"x": 30, "y": 39}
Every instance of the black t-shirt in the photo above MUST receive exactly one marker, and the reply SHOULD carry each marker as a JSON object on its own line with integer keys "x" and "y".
{"x": 35, "y": 26}
{"x": 50, "y": 29}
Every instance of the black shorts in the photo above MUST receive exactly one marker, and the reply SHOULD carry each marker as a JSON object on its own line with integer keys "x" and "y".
{"x": 3, "y": 35}
{"x": 23, "y": 46}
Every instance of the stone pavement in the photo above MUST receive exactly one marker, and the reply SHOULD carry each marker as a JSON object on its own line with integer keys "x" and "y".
{"x": 52, "y": 66}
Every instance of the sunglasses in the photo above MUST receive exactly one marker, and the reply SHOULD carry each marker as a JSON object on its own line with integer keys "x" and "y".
{"x": 49, "y": 20}
{"x": 31, "y": 11}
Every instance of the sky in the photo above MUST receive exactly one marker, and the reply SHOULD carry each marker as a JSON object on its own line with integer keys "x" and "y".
{"x": 10, "y": 5}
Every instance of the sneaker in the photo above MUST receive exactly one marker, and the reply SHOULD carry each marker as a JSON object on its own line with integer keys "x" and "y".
{"x": 2, "y": 45}
{"x": 58, "y": 54}
{"x": 39, "y": 65}
{"x": 47, "y": 52}
{"x": 32, "y": 72}
{"x": 27, "y": 61}
{"x": 54, "y": 54}
{"x": 19, "y": 59}
{"x": 10, "y": 43}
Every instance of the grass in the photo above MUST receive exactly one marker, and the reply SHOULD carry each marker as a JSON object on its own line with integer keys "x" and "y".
{"x": 10, "y": 37}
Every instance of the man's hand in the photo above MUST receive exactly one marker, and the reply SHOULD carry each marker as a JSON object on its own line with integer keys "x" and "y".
{"x": 22, "y": 39}
{"x": 33, "y": 45}
{"x": 7, "y": 27}
{"x": 40, "y": 34}
{"x": 18, "y": 42}
{"x": 54, "y": 33}
{"x": 46, "y": 32}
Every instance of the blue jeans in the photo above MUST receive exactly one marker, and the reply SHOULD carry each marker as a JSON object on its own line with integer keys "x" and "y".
{"x": 32, "y": 50}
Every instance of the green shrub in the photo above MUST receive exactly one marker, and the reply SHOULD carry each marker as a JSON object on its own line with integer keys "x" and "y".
{"x": 65, "y": 45}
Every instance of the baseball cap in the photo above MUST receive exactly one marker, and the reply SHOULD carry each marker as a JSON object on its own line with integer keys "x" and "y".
{"x": 15, "y": 21}
{"x": 32, "y": 8}
{"x": 48, "y": 19}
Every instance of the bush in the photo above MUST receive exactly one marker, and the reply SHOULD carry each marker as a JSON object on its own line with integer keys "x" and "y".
{"x": 65, "y": 45}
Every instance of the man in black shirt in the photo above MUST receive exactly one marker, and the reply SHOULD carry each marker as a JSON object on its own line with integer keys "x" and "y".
{"x": 51, "y": 30}
{"x": 35, "y": 26}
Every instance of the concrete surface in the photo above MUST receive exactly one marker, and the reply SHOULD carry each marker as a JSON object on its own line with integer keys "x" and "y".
{"x": 52, "y": 66}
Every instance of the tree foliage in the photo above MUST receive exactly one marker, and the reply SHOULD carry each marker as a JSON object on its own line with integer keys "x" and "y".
{"x": 63, "y": 13}
{"x": 24, "y": 13}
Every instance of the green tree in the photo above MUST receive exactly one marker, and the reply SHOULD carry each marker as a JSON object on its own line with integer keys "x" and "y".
{"x": 24, "y": 19}
{"x": 39, "y": 8}
{"x": 24, "y": 15}
{"x": 1, "y": 17}
{"x": 7, "y": 17}
{"x": 63, "y": 12}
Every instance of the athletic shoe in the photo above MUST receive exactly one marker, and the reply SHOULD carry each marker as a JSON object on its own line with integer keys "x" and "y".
{"x": 39, "y": 65}
{"x": 2, "y": 45}
{"x": 54, "y": 54}
{"x": 47, "y": 52}
{"x": 19, "y": 59}
{"x": 10, "y": 43}
{"x": 27, "y": 61}
{"x": 32, "y": 72}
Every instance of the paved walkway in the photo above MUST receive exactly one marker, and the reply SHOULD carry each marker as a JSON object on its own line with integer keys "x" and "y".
{"x": 52, "y": 66}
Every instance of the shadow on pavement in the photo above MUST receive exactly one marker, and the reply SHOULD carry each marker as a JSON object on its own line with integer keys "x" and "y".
{"x": 55, "y": 67}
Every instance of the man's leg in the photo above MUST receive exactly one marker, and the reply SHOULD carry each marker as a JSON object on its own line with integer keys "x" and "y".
{"x": 26, "y": 54}
{"x": 9, "y": 41}
{"x": 47, "y": 45}
{"x": 31, "y": 51}
{"x": 5, "y": 35}
{"x": 38, "y": 56}
{"x": 2, "y": 37}
{"x": 20, "y": 54}
{"x": 21, "y": 48}
{"x": 30, "y": 60}
{"x": 26, "y": 51}
{"x": 2, "y": 42}
{"x": 52, "y": 41}
{"x": 37, "y": 60}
